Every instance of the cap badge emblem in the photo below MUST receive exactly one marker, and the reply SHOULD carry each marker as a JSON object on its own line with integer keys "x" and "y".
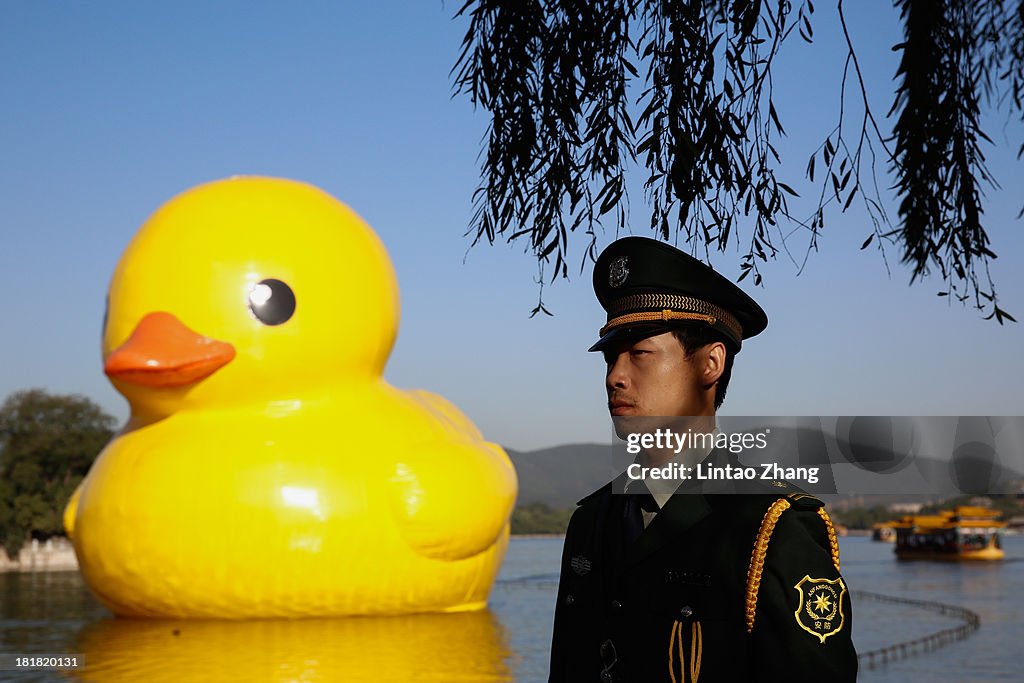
{"x": 618, "y": 271}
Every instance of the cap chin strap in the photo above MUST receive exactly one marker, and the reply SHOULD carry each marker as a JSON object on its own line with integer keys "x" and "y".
{"x": 654, "y": 316}
{"x": 662, "y": 307}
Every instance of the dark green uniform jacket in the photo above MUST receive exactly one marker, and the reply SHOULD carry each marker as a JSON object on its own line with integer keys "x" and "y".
{"x": 673, "y": 605}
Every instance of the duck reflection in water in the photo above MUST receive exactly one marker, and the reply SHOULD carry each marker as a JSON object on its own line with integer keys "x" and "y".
{"x": 432, "y": 647}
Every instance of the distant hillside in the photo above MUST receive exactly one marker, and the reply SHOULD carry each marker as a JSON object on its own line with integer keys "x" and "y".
{"x": 561, "y": 475}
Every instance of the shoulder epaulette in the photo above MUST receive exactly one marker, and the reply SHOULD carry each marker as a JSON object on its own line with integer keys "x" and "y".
{"x": 804, "y": 501}
{"x": 594, "y": 494}
{"x": 796, "y": 501}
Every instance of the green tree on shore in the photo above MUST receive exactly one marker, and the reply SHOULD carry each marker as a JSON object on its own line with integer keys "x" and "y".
{"x": 865, "y": 517}
{"x": 538, "y": 518}
{"x": 47, "y": 444}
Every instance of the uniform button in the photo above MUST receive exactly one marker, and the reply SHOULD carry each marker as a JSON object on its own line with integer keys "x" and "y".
{"x": 569, "y": 599}
{"x": 616, "y": 604}
{"x": 686, "y": 612}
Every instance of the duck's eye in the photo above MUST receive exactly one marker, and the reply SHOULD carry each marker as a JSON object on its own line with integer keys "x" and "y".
{"x": 272, "y": 302}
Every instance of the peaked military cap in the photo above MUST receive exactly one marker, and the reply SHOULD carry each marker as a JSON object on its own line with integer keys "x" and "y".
{"x": 649, "y": 287}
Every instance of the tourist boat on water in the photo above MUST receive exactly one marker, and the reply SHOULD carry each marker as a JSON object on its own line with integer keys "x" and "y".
{"x": 965, "y": 533}
{"x": 884, "y": 532}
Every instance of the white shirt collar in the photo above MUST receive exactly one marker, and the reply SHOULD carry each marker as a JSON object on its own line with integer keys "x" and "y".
{"x": 662, "y": 489}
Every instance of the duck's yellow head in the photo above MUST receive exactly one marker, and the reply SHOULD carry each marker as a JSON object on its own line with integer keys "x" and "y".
{"x": 248, "y": 290}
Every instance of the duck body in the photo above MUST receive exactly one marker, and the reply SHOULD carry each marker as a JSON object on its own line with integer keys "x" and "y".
{"x": 290, "y": 480}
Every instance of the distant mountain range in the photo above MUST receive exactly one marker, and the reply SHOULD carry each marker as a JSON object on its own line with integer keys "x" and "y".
{"x": 561, "y": 475}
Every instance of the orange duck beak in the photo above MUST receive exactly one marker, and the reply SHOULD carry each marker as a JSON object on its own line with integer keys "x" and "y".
{"x": 162, "y": 352}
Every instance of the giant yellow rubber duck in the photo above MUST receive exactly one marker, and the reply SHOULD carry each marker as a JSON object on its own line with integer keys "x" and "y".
{"x": 267, "y": 469}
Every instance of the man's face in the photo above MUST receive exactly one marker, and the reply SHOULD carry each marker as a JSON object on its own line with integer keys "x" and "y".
{"x": 653, "y": 377}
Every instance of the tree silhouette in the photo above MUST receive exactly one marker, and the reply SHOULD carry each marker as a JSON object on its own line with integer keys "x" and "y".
{"x": 47, "y": 444}
{"x": 556, "y": 77}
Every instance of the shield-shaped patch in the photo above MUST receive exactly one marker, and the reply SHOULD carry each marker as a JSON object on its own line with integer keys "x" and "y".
{"x": 820, "y": 609}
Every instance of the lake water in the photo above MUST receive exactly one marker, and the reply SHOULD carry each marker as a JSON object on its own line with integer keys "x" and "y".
{"x": 55, "y": 614}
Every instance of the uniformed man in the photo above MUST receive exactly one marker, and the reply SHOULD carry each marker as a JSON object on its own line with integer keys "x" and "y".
{"x": 691, "y": 586}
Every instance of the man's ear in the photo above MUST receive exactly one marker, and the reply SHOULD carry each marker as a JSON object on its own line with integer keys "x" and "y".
{"x": 714, "y": 362}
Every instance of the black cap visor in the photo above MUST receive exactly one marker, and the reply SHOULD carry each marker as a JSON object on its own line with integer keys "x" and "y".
{"x": 629, "y": 334}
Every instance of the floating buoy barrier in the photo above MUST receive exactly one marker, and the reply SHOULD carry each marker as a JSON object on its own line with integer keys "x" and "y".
{"x": 933, "y": 641}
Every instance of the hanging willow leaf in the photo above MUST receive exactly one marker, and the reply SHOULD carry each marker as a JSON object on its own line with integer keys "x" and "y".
{"x": 578, "y": 90}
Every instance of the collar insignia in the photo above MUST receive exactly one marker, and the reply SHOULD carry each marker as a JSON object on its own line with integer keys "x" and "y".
{"x": 580, "y": 565}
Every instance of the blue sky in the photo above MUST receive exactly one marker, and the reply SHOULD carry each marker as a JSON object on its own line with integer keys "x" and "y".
{"x": 112, "y": 108}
